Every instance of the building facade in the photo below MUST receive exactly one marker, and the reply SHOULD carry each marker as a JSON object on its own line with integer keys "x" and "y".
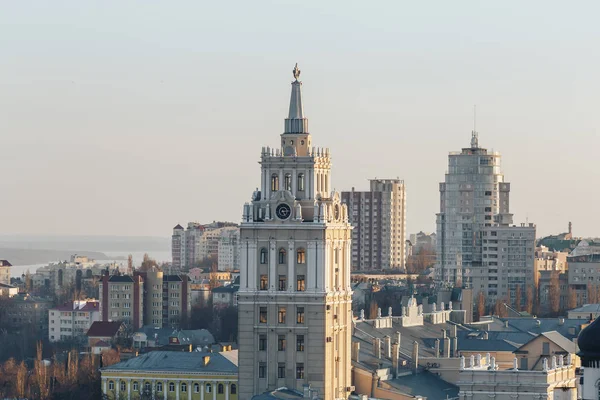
{"x": 5, "y": 272}
{"x": 584, "y": 277}
{"x": 24, "y": 311}
{"x": 294, "y": 301}
{"x": 72, "y": 321}
{"x": 228, "y": 249}
{"x": 379, "y": 220}
{"x": 122, "y": 299}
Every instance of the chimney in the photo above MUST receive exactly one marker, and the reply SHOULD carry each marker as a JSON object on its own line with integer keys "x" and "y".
{"x": 395, "y": 359}
{"x": 415, "y": 356}
{"x": 398, "y": 337}
{"x": 485, "y": 335}
{"x": 437, "y": 348}
{"x": 446, "y": 347}
{"x": 454, "y": 346}
{"x": 356, "y": 351}
{"x": 377, "y": 347}
{"x": 205, "y": 360}
{"x": 561, "y": 321}
{"x": 453, "y": 331}
{"x": 506, "y": 324}
{"x": 443, "y": 334}
{"x": 388, "y": 346}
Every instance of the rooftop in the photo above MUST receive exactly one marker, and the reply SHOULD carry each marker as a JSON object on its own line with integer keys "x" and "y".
{"x": 176, "y": 362}
{"x": 120, "y": 278}
{"x": 424, "y": 384}
{"x": 196, "y": 337}
{"x": 104, "y": 329}
{"x": 5, "y": 263}
{"x": 587, "y": 308}
{"x": 568, "y": 327}
{"x": 281, "y": 393}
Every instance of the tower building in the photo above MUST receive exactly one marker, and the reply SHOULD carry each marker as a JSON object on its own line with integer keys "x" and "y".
{"x": 294, "y": 302}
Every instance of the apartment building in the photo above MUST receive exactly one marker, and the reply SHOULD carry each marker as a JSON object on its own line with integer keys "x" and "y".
{"x": 5, "y": 272}
{"x": 379, "y": 220}
{"x": 196, "y": 243}
{"x": 122, "y": 299}
{"x": 228, "y": 249}
{"x": 584, "y": 277}
{"x": 24, "y": 311}
{"x": 72, "y": 321}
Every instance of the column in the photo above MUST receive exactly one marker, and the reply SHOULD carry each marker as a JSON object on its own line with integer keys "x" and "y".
{"x": 327, "y": 271}
{"x": 165, "y": 389}
{"x": 267, "y": 183}
{"x": 128, "y": 388}
{"x": 214, "y": 390}
{"x": 245, "y": 268}
{"x": 189, "y": 389}
{"x": 273, "y": 264}
{"x": 320, "y": 268}
{"x": 227, "y": 391}
{"x": 252, "y": 263}
{"x": 117, "y": 385}
{"x": 328, "y": 179}
{"x": 281, "y": 181}
{"x": 202, "y": 390}
{"x": 177, "y": 384}
{"x": 104, "y": 386}
{"x": 294, "y": 182}
{"x": 348, "y": 263}
{"x": 291, "y": 276}
{"x": 311, "y": 266}
{"x": 310, "y": 178}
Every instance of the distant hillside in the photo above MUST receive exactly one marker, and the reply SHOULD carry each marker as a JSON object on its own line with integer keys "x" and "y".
{"x": 90, "y": 243}
{"x": 41, "y": 256}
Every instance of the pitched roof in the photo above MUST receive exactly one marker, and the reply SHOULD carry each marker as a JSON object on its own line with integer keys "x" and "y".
{"x": 101, "y": 343}
{"x": 120, "y": 278}
{"x": 4, "y": 285}
{"x": 561, "y": 341}
{"x": 196, "y": 337}
{"x": 178, "y": 227}
{"x": 174, "y": 361}
{"x": 282, "y": 393}
{"x": 226, "y": 289}
{"x": 172, "y": 278}
{"x": 5, "y": 263}
{"x": 104, "y": 329}
{"x": 587, "y": 308}
{"x": 424, "y": 384}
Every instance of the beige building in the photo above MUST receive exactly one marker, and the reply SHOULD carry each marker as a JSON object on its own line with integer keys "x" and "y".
{"x": 295, "y": 298}
{"x": 122, "y": 299}
{"x": 379, "y": 220}
{"x": 5, "y": 272}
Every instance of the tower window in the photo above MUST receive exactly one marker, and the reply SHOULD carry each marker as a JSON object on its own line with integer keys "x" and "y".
{"x": 300, "y": 317}
{"x": 281, "y": 315}
{"x": 300, "y": 181}
{"x": 288, "y": 182}
{"x": 301, "y": 256}
{"x": 274, "y": 182}
{"x": 281, "y": 256}
{"x": 264, "y": 282}
{"x": 300, "y": 283}
{"x": 281, "y": 343}
{"x": 263, "y": 315}
{"x": 263, "y": 256}
{"x": 282, "y": 283}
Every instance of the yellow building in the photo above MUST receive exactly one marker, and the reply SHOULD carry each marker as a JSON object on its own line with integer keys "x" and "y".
{"x": 172, "y": 376}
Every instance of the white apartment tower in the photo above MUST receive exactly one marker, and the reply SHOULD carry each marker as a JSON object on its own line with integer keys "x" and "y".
{"x": 379, "y": 220}
{"x": 294, "y": 302}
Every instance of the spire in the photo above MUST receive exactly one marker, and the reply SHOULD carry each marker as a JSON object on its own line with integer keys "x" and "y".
{"x": 296, "y": 122}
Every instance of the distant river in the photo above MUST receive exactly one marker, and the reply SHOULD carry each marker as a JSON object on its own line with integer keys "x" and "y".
{"x": 120, "y": 257}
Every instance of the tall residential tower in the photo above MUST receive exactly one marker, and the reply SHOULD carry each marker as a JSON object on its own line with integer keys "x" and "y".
{"x": 295, "y": 313}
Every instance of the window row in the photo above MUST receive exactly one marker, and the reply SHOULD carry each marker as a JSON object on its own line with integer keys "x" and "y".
{"x": 281, "y": 315}
{"x": 281, "y": 343}
{"x": 300, "y": 256}
{"x": 287, "y": 183}
{"x": 282, "y": 283}
{"x": 159, "y": 387}
{"x": 262, "y": 370}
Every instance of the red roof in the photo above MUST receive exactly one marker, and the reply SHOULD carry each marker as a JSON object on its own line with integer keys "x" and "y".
{"x": 101, "y": 343}
{"x": 104, "y": 329}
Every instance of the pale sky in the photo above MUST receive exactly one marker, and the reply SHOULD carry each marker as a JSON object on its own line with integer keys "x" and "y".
{"x": 126, "y": 118}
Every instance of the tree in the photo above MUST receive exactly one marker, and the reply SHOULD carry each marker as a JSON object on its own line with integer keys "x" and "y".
{"x": 480, "y": 305}
{"x": 572, "y": 298}
{"x": 529, "y": 300}
{"x": 148, "y": 264}
{"x": 518, "y": 298}
{"x": 554, "y": 293}
{"x": 373, "y": 309}
{"x": 591, "y": 293}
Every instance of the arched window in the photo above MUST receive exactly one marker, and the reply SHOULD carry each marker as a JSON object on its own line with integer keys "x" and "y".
{"x": 301, "y": 256}
{"x": 281, "y": 256}
{"x": 274, "y": 183}
{"x": 288, "y": 182}
{"x": 300, "y": 181}
{"x": 135, "y": 386}
{"x": 233, "y": 389}
{"x": 220, "y": 389}
{"x": 263, "y": 256}
{"x": 123, "y": 387}
{"x": 111, "y": 385}
{"x": 208, "y": 388}
{"x": 196, "y": 388}
{"x": 159, "y": 387}
{"x": 171, "y": 387}
{"x": 183, "y": 387}
{"x": 147, "y": 387}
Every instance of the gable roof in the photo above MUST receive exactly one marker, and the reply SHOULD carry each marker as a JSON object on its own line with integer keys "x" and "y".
{"x": 556, "y": 338}
{"x": 175, "y": 361}
{"x": 104, "y": 329}
{"x": 120, "y": 278}
{"x": 5, "y": 263}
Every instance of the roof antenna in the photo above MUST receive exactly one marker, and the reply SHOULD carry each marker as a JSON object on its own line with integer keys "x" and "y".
{"x": 474, "y": 135}
{"x": 474, "y": 117}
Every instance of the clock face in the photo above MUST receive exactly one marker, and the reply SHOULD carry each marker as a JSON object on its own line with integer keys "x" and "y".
{"x": 283, "y": 211}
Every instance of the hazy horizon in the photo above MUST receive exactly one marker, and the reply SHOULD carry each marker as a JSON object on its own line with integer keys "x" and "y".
{"x": 126, "y": 118}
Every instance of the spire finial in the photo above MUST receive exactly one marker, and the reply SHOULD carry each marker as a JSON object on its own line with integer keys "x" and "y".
{"x": 296, "y": 72}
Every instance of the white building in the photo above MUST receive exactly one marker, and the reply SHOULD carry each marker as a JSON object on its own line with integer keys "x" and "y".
{"x": 294, "y": 301}
{"x": 229, "y": 249}
{"x": 5, "y": 272}
{"x": 72, "y": 321}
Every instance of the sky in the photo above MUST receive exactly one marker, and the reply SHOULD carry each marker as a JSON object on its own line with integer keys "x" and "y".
{"x": 128, "y": 117}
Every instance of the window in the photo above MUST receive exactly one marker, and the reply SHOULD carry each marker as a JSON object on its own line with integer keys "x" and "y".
{"x": 111, "y": 385}
{"x": 263, "y": 256}
{"x": 196, "y": 388}
{"x": 263, "y": 315}
{"x": 288, "y": 182}
{"x": 264, "y": 282}
{"x": 300, "y": 371}
{"x": 299, "y": 342}
{"x": 281, "y": 370}
{"x": 274, "y": 182}
{"x": 300, "y": 315}
{"x": 262, "y": 370}
{"x": 147, "y": 387}
{"x": 301, "y": 256}
{"x": 281, "y": 315}
{"x": 262, "y": 342}
{"x": 281, "y": 256}
{"x": 123, "y": 387}
{"x": 300, "y": 283}
{"x": 183, "y": 387}
{"x": 301, "y": 181}
{"x": 171, "y": 387}
{"x": 159, "y": 387}
{"x": 135, "y": 386}
{"x": 220, "y": 389}
{"x": 282, "y": 283}
{"x": 208, "y": 388}
{"x": 281, "y": 343}
{"x": 233, "y": 389}
{"x": 336, "y": 255}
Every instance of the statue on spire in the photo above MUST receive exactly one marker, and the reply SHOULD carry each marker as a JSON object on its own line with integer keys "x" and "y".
{"x": 296, "y": 72}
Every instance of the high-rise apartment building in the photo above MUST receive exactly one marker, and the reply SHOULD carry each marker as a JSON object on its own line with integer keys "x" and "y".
{"x": 185, "y": 245}
{"x": 379, "y": 220}
{"x": 294, "y": 301}
{"x": 229, "y": 249}
{"x": 122, "y": 299}
{"x": 5, "y": 272}
{"x": 477, "y": 245}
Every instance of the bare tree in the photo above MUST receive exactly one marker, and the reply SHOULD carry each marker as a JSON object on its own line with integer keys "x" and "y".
{"x": 591, "y": 293}
{"x": 21, "y": 381}
{"x": 554, "y": 293}
{"x": 480, "y": 305}
{"x": 518, "y": 298}
{"x": 572, "y": 298}
{"x": 41, "y": 374}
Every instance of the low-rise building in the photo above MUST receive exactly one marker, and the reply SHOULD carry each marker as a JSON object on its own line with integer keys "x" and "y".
{"x": 225, "y": 296}
{"x": 8, "y": 290}
{"x": 149, "y": 336}
{"x": 106, "y": 332}
{"x": 25, "y": 311}
{"x": 172, "y": 375}
{"x": 584, "y": 271}
{"x": 72, "y": 321}
{"x": 588, "y": 312}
